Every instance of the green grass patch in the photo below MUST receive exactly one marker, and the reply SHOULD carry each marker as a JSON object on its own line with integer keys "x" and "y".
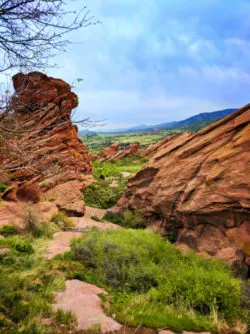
{"x": 7, "y": 230}
{"x": 153, "y": 284}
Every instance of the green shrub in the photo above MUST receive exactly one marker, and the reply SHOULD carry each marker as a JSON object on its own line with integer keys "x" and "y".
{"x": 62, "y": 220}
{"x": 47, "y": 230}
{"x": 31, "y": 220}
{"x": 3, "y": 187}
{"x": 64, "y": 317}
{"x": 114, "y": 217}
{"x": 7, "y": 230}
{"x": 22, "y": 246}
{"x": 133, "y": 219}
{"x": 145, "y": 271}
{"x": 101, "y": 195}
{"x": 104, "y": 170}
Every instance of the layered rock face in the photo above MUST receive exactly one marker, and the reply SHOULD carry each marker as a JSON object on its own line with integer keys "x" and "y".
{"x": 112, "y": 152}
{"x": 150, "y": 150}
{"x": 199, "y": 186}
{"x": 49, "y": 154}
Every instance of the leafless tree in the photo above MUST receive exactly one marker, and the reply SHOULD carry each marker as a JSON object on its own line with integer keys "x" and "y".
{"x": 33, "y": 31}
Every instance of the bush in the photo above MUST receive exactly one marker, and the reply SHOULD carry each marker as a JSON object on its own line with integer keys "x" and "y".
{"x": 3, "y": 187}
{"x": 31, "y": 220}
{"x": 7, "y": 230}
{"x": 47, "y": 230}
{"x": 101, "y": 195}
{"x": 103, "y": 170}
{"x": 62, "y": 220}
{"x": 147, "y": 272}
{"x": 22, "y": 246}
{"x": 133, "y": 219}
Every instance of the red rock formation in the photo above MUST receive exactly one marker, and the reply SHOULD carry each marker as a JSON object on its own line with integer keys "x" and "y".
{"x": 150, "y": 150}
{"x": 107, "y": 152}
{"x": 51, "y": 154}
{"x": 199, "y": 185}
{"x": 111, "y": 153}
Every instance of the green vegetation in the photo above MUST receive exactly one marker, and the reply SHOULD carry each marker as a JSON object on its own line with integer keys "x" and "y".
{"x": 128, "y": 218}
{"x": 7, "y": 230}
{"x": 152, "y": 284}
{"x": 97, "y": 142}
{"x": 28, "y": 283}
{"x": 131, "y": 164}
{"x": 3, "y": 187}
{"x": 101, "y": 195}
{"x": 64, "y": 317}
{"x": 62, "y": 220}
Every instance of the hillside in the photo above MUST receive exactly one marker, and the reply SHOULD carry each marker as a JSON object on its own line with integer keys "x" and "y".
{"x": 193, "y": 123}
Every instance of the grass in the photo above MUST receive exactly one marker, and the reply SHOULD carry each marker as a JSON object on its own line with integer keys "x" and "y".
{"x": 152, "y": 284}
{"x": 62, "y": 220}
{"x": 97, "y": 142}
{"x": 28, "y": 283}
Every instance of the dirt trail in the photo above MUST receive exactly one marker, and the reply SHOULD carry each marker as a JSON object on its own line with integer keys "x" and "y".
{"x": 60, "y": 243}
{"x": 82, "y": 299}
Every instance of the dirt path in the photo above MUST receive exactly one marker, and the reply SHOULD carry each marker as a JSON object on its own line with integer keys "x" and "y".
{"x": 82, "y": 299}
{"x": 60, "y": 243}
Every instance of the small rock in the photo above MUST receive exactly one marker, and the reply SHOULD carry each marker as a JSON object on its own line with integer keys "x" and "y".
{"x": 4, "y": 251}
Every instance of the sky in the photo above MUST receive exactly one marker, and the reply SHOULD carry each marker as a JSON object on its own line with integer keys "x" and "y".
{"x": 153, "y": 61}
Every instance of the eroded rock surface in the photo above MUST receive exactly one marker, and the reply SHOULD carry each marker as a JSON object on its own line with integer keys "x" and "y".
{"x": 199, "y": 186}
{"x": 112, "y": 152}
{"x": 82, "y": 299}
{"x": 53, "y": 164}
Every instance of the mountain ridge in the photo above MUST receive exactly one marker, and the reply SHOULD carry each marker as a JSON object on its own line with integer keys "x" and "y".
{"x": 192, "y": 123}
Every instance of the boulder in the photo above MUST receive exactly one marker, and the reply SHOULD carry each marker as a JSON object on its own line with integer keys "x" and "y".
{"x": 198, "y": 185}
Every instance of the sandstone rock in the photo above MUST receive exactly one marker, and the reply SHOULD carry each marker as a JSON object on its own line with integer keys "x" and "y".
{"x": 199, "y": 185}
{"x": 82, "y": 299}
{"x": 107, "y": 152}
{"x": 56, "y": 162}
{"x": 29, "y": 192}
{"x": 4, "y": 251}
{"x": 49, "y": 143}
{"x": 150, "y": 150}
{"x": 111, "y": 153}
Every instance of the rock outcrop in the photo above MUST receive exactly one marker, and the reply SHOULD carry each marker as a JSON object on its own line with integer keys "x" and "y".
{"x": 108, "y": 152}
{"x": 148, "y": 151}
{"x": 199, "y": 186}
{"x": 112, "y": 152}
{"x": 50, "y": 162}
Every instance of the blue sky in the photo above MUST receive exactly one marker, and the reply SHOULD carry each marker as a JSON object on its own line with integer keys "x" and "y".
{"x": 153, "y": 61}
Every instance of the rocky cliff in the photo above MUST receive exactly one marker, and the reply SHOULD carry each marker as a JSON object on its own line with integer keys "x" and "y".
{"x": 50, "y": 161}
{"x": 199, "y": 186}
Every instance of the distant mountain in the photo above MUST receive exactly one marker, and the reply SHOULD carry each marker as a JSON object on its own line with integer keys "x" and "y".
{"x": 193, "y": 123}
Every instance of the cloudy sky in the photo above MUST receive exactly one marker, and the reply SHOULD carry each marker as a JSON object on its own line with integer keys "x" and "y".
{"x": 153, "y": 61}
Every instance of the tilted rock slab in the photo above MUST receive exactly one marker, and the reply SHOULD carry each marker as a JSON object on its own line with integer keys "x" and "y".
{"x": 199, "y": 185}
